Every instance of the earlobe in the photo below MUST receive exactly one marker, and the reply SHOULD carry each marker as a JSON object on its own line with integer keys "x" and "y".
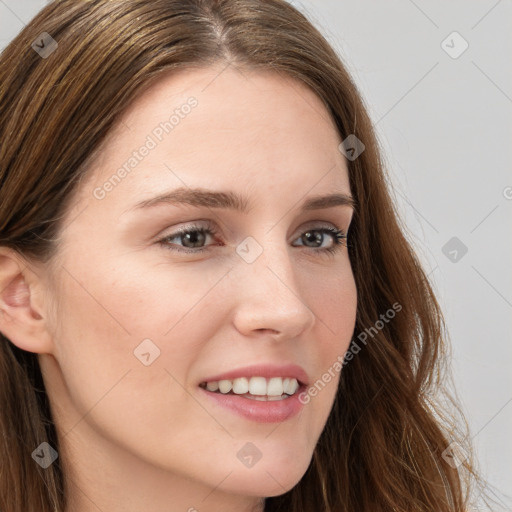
{"x": 21, "y": 321}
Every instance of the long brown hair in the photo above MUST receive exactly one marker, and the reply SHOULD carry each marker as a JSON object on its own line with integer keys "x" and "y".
{"x": 384, "y": 445}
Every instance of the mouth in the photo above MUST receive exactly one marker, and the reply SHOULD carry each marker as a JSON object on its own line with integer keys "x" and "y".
{"x": 257, "y": 398}
{"x": 256, "y": 388}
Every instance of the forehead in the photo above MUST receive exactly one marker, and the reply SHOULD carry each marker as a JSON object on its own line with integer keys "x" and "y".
{"x": 221, "y": 127}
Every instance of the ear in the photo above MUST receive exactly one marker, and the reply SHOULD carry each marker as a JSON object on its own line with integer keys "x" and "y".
{"x": 22, "y": 316}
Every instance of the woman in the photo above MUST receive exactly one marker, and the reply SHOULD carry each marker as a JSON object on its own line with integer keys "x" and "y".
{"x": 208, "y": 302}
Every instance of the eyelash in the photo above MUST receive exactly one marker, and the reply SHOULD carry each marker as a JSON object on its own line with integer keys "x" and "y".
{"x": 338, "y": 236}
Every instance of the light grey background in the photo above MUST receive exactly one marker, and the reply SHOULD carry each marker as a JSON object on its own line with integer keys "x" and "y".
{"x": 445, "y": 128}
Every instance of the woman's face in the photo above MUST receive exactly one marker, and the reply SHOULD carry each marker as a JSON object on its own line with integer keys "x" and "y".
{"x": 138, "y": 324}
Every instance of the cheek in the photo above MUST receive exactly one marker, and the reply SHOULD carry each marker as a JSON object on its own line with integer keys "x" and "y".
{"x": 336, "y": 311}
{"x": 130, "y": 336}
{"x": 106, "y": 386}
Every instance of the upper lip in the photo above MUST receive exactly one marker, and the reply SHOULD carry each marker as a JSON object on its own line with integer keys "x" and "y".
{"x": 263, "y": 370}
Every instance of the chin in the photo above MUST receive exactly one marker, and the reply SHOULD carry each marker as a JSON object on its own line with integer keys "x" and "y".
{"x": 270, "y": 479}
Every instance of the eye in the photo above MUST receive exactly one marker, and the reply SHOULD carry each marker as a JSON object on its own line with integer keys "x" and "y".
{"x": 316, "y": 236}
{"x": 194, "y": 237}
{"x": 191, "y": 236}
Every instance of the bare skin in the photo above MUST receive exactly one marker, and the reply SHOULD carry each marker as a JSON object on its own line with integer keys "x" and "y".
{"x": 137, "y": 437}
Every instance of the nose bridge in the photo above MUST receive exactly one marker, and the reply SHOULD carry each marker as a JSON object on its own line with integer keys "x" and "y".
{"x": 270, "y": 296}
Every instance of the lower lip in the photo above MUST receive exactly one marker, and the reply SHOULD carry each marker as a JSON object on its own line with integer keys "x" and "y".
{"x": 272, "y": 411}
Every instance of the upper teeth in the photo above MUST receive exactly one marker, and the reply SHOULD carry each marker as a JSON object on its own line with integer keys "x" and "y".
{"x": 275, "y": 386}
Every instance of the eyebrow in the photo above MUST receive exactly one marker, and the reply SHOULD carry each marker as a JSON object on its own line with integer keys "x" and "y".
{"x": 233, "y": 201}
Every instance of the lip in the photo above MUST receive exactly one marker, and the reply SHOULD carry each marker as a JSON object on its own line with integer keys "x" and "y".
{"x": 264, "y": 370}
{"x": 274, "y": 411}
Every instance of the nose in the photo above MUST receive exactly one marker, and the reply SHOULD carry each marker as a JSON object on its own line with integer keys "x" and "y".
{"x": 270, "y": 297}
